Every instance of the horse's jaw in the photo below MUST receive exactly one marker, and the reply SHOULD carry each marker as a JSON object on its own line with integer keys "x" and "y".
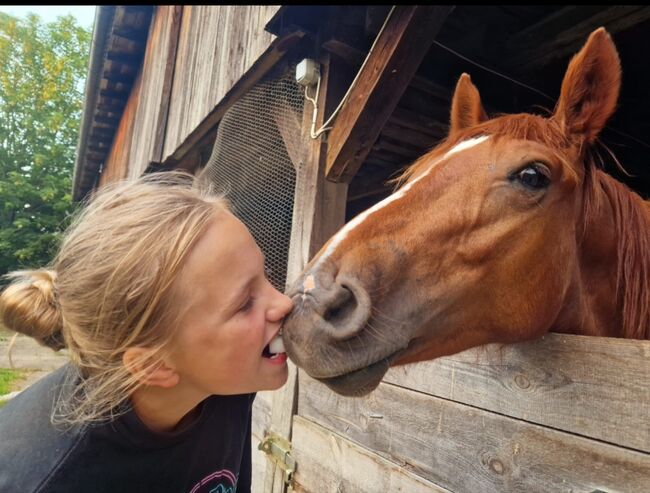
{"x": 359, "y": 382}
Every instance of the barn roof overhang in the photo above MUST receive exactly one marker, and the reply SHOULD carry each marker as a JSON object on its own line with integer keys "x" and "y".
{"x": 116, "y": 54}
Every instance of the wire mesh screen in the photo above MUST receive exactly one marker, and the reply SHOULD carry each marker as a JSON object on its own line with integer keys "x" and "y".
{"x": 250, "y": 163}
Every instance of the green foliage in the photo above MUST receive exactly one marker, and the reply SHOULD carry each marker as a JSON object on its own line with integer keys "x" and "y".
{"x": 42, "y": 72}
{"x": 8, "y": 378}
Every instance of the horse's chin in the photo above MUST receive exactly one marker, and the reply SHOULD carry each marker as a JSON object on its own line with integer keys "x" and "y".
{"x": 359, "y": 382}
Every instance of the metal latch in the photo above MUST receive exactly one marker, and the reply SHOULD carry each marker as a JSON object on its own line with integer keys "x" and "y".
{"x": 278, "y": 449}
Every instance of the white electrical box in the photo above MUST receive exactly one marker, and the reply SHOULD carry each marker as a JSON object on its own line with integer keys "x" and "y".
{"x": 307, "y": 72}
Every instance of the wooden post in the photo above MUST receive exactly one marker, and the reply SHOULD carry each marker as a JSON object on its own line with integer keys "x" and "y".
{"x": 319, "y": 210}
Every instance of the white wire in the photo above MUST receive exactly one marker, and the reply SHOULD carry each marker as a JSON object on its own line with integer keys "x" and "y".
{"x": 314, "y": 134}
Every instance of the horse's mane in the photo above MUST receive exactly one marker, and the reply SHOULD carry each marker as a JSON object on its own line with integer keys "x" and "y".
{"x": 632, "y": 224}
{"x": 631, "y": 218}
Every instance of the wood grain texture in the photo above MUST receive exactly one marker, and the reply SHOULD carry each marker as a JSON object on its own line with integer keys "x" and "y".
{"x": 116, "y": 166}
{"x": 397, "y": 55}
{"x": 465, "y": 449}
{"x": 259, "y": 428}
{"x": 592, "y": 386}
{"x": 217, "y": 45}
{"x": 330, "y": 463}
{"x": 157, "y": 72}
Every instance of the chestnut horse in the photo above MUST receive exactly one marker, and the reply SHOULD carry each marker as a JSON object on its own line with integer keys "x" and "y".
{"x": 503, "y": 232}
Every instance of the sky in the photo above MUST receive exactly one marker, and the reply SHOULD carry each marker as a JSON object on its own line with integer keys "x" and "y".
{"x": 85, "y": 14}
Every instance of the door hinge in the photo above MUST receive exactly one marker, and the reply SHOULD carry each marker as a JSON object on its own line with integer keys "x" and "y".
{"x": 278, "y": 449}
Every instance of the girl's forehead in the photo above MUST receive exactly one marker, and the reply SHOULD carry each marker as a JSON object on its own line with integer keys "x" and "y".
{"x": 224, "y": 253}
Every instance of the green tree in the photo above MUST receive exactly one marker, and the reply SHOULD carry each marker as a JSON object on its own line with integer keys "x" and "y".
{"x": 42, "y": 71}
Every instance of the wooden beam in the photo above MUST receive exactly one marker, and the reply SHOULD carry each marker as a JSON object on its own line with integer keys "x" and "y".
{"x": 397, "y": 55}
{"x": 103, "y": 131}
{"x": 354, "y": 56}
{"x": 113, "y": 94}
{"x": 125, "y": 58}
{"x": 133, "y": 35}
{"x": 91, "y": 155}
{"x": 98, "y": 150}
{"x": 115, "y": 107}
{"x": 560, "y": 39}
{"x": 107, "y": 120}
{"x": 116, "y": 77}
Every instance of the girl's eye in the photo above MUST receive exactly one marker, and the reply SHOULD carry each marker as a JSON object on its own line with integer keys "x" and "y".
{"x": 247, "y": 305}
{"x": 534, "y": 176}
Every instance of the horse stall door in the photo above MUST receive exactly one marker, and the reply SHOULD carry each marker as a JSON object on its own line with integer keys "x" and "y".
{"x": 561, "y": 414}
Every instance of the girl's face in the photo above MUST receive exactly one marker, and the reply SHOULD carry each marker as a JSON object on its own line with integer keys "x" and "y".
{"x": 231, "y": 313}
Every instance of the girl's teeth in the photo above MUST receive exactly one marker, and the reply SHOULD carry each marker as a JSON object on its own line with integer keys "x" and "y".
{"x": 276, "y": 345}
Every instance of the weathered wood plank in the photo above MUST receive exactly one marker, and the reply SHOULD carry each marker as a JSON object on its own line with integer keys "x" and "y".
{"x": 593, "y": 386}
{"x": 465, "y": 449}
{"x": 389, "y": 70}
{"x": 157, "y": 73}
{"x": 217, "y": 46}
{"x": 259, "y": 428}
{"x": 168, "y": 78}
{"x": 116, "y": 163}
{"x": 204, "y": 134}
{"x": 330, "y": 463}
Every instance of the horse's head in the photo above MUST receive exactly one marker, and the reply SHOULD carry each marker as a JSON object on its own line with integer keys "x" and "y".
{"x": 480, "y": 243}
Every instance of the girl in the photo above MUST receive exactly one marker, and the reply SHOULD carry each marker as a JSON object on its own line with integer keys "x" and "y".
{"x": 160, "y": 297}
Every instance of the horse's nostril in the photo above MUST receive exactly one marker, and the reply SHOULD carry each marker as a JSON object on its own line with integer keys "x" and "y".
{"x": 341, "y": 307}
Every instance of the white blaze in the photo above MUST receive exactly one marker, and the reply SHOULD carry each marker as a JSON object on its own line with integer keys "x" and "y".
{"x": 342, "y": 234}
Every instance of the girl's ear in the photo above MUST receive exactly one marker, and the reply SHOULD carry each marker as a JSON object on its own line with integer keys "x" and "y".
{"x": 137, "y": 360}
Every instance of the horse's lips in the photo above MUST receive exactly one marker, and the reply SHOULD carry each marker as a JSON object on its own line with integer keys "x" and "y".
{"x": 359, "y": 382}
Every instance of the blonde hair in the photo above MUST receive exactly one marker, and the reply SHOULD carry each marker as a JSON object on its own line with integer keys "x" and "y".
{"x": 112, "y": 285}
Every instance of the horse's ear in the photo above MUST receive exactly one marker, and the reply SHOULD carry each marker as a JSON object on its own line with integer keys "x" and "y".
{"x": 590, "y": 88}
{"x": 466, "y": 107}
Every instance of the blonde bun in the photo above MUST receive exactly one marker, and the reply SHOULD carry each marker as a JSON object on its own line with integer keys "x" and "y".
{"x": 29, "y": 306}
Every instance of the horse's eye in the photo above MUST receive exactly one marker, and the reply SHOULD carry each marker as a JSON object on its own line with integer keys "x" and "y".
{"x": 533, "y": 177}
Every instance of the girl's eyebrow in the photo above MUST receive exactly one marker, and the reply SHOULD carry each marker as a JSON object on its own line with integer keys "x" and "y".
{"x": 241, "y": 292}
{"x": 237, "y": 299}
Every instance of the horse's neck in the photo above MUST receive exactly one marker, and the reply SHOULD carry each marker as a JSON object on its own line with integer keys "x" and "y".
{"x": 611, "y": 296}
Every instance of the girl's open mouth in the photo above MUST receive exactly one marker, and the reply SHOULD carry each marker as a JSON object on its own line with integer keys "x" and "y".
{"x": 275, "y": 348}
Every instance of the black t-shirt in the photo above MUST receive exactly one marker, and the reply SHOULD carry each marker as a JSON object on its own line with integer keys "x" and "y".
{"x": 211, "y": 454}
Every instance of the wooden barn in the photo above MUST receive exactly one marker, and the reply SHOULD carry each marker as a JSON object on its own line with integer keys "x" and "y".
{"x": 213, "y": 90}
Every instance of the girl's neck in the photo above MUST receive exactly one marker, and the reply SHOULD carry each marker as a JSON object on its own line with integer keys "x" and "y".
{"x": 166, "y": 409}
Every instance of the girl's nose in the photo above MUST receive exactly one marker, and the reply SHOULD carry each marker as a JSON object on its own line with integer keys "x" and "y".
{"x": 281, "y": 307}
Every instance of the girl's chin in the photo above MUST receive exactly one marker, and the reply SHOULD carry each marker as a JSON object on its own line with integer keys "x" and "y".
{"x": 280, "y": 379}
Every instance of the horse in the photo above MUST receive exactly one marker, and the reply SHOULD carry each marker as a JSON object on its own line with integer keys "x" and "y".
{"x": 506, "y": 230}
